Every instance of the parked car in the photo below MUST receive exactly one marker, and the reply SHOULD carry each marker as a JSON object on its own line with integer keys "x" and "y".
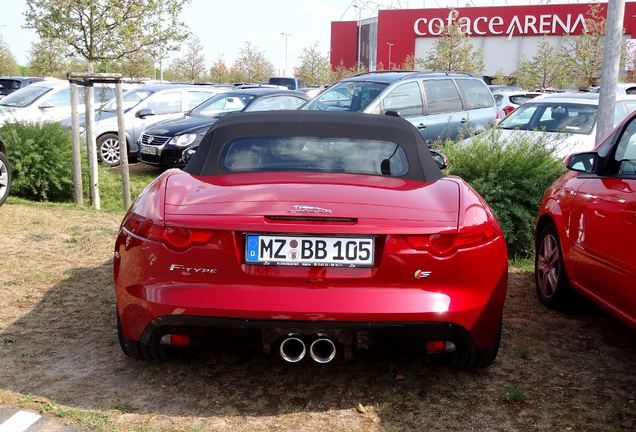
{"x": 441, "y": 105}
{"x": 312, "y": 92}
{"x": 308, "y": 232}
{"x": 10, "y": 84}
{"x": 5, "y": 174}
{"x": 509, "y": 101}
{"x": 48, "y": 100}
{"x": 585, "y": 235}
{"x": 289, "y": 82}
{"x": 144, "y": 107}
{"x": 621, "y": 89}
{"x": 568, "y": 120}
{"x": 163, "y": 143}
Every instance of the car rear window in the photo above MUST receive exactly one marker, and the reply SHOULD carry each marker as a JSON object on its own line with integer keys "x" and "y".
{"x": 314, "y": 154}
{"x": 7, "y": 86}
{"x": 522, "y": 98}
{"x": 476, "y": 94}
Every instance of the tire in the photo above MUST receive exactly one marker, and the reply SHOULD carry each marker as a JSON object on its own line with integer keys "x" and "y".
{"x": 474, "y": 359}
{"x": 139, "y": 351}
{"x": 108, "y": 149}
{"x": 551, "y": 281}
{"x": 5, "y": 178}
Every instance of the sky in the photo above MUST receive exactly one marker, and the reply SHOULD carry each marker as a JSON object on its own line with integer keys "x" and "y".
{"x": 224, "y": 26}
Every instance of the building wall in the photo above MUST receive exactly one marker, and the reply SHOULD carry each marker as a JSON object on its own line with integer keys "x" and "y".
{"x": 344, "y": 42}
{"x": 504, "y": 33}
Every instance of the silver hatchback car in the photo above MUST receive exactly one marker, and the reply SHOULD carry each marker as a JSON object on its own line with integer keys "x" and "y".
{"x": 440, "y": 104}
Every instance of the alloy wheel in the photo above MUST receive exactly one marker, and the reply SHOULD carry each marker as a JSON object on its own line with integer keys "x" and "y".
{"x": 548, "y": 266}
{"x": 109, "y": 151}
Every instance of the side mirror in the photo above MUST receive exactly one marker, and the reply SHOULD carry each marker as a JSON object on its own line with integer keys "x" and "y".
{"x": 439, "y": 159}
{"x": 188, "y": 153}
{"x": 143, "y": 113}
{"x": 582, "y": 162}
{"x": 392, "y": 113}
{"x": 45, "y": 105}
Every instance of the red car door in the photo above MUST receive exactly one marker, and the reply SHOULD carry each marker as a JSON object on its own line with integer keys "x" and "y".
{"x": 603, "y": 230}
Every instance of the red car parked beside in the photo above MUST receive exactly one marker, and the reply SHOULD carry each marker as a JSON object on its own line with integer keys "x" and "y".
{"x": 311, "y": 235}
{"x": 586, "y": 230}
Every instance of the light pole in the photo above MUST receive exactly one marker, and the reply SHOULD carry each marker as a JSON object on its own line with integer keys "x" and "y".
{"x": 390, "y": 45}
{"x": 359, "y": 34}
{"x": 285, "y": 35}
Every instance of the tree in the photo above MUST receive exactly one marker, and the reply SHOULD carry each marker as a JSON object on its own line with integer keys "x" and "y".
{"x": 548, "y": 68}
{"x": 105, "y": 30}
{"x": 453, "y": 51}
{"x": 46, "y": 58}
{"x": 315, "y": 68}
{"x": 193, "y": 61}
{"x": 341, "y": 72}
{"x": 137, "y": 65}
{"x": 252, "y": 65}
{"x": 8, "y": 65}
{"x": 219, "y": 72}
{"x": 500, "y": 78}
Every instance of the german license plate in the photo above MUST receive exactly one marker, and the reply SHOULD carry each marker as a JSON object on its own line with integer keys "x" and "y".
{"x": 148, "y": 150}
{"x": 309, "y": 251}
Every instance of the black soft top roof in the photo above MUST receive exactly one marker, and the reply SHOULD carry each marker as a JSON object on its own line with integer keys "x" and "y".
{"x": 353, "y": 125}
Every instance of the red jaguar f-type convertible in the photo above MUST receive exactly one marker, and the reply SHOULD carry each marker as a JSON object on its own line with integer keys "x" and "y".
{"x": 311, "y": 235}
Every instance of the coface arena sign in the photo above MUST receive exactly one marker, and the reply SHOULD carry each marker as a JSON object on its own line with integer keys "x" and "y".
{"x": 523, "y": 25}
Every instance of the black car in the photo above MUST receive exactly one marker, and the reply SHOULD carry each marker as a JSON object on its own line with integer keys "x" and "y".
{"x": 163, "y": 143}
{"x": 10, "y": 84}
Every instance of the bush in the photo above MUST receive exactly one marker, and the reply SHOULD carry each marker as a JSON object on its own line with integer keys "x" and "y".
{"x": 512, "y": 177}
{"x": 40, "y": 154}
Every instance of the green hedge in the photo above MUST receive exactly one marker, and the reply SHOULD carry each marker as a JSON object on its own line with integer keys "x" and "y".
{"x": 40, "y": 155}
{"x": 512, "y": 176}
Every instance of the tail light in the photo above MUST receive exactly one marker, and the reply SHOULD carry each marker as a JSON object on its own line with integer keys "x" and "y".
{"x": 176, "y": 238}
{"x": 508, "y": 109}
{"x": 442, "y": 245}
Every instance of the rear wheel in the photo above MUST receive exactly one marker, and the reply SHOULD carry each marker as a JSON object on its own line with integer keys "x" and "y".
{"x": 108, "y": 149}
{"x": 553, "y": 287}
{"x": 5, "y": 178}
{"x": 475, "y": 359}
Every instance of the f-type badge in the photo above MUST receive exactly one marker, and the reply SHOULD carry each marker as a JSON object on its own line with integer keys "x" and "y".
{"x": 420, "y": 274}
{"x": 301, "y": 209}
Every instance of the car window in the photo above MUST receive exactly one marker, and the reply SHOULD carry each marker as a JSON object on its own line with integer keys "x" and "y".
{"x": 104, "y": 94}
{"x": 315, "y": 154}
{"x": 476, "y": 94}
{"x": 195, "y": 98}
{"x": 223, "y": 104}
{"x": 626, "y": 151}
{"x": 406, "y": 99}
{"x": 276, "y": 103}
{"x": 630, "y": 106}
{"x": 522, "y": 98}
{"x": 347, "y": 96}
{"x": 630, "y": 90}
{"x": 165, "y": 103}
{"x": 552, "y": 117}
{"x": 442, "y": 96}
{"x": 60, "y": 98}
{"x": 131, "y": 98}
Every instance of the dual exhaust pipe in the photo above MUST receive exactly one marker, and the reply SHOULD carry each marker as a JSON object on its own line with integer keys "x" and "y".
{"x": 321, "y": 350}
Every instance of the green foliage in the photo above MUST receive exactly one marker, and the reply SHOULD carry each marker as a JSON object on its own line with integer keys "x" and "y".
{"x": 8, "y": 66}
{"x": 40, "y": 154}
{"x": 252, "y": 65}
{"x": 453, "y": 51}
{"x": 513, "y": 394}
{"x": 46, "y": 58}
{"x": 99, "y": 30}
{"x": 548, "y": 68}
{"x": 512, "y": 176}
{"x": 190, "y": 67}
{"x": 314, "y": 66}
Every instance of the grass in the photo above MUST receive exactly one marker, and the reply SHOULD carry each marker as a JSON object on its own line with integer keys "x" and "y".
{"x": 513, "y": 394}
{"x": 110, "y": 187}
{"x": 522, "y": 265}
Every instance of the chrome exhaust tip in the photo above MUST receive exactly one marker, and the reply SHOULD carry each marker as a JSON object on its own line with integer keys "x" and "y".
{"x": 322, "y": 350}
{"x": 292, "y": 349}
